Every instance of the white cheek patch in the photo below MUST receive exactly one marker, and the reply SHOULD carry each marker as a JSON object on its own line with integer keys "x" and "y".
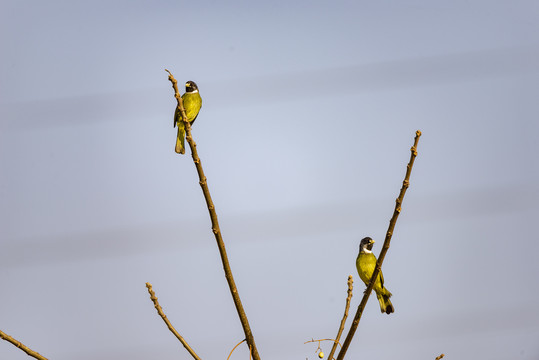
{"x": 367, "y": 251}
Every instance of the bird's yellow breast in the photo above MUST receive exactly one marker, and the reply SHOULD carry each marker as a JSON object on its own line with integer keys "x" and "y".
{"x": 365, "y": 263}
{"x": 192, "y": 104}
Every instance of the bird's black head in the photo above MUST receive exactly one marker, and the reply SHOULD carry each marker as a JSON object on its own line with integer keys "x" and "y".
{"x": 366, "y": 244}
{"x": 191, "y": 87}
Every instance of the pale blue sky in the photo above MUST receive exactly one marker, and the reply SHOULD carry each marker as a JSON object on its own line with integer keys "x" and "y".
{"x": 309, "y": 113}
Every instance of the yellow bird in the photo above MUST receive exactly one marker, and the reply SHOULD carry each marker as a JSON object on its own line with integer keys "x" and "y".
{"x": 365, "y": 263}
{"x": 192, "y": 102}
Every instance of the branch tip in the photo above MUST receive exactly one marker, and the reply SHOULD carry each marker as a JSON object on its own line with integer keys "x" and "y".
{"x": 350, "y": 283}
{"x": 161, "y": 313}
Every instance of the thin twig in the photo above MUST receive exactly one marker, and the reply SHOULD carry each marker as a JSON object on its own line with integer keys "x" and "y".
{"x": 318, "y": 340}
{"x": 321, "y": 353}
{"x": 21, "y": 346}
{"x": 343, "y": 321}
{"x": 439, "y": 357}
{"x": 383, "y": 252}
{"x": 234, "y": 348}
{"x": 169, "y": 325}
{"x": 215, "y": 223}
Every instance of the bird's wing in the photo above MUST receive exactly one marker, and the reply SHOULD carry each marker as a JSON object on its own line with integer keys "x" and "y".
{"x": 176, "y": 116}
{"x": 198, "y": 110}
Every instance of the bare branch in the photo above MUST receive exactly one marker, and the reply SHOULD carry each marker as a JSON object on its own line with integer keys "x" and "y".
{"x": 215, "y": 223}
{"x": 343, "y": 321}
{"x": 21, "y": 346}
{"x": 439, "y": 357}
{"x": 169, "y": 325}
{"x": 389, "y": 234}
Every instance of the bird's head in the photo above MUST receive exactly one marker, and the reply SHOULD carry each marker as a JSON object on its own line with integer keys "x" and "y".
{"x": 366, "y": 244}
{"x": 191, "y": 87}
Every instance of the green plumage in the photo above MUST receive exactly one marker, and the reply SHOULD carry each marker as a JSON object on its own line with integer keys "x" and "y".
{"x": 366, "y": 263}
{"x": 192, "y": 102}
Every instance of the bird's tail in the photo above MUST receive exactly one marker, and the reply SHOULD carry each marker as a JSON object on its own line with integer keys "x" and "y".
{"x": 385, "y": 304}
{"x": 180, "y": 139}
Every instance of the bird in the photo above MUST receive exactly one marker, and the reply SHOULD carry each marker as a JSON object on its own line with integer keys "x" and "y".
{"x": 365, "y": 263}
{"x": 192, "y": 102}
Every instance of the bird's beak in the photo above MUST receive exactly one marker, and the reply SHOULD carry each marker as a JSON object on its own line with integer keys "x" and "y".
{"x": 372, "y": 241}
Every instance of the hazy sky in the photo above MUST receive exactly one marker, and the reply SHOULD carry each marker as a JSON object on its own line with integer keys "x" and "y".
{"x": 309, "y": 111}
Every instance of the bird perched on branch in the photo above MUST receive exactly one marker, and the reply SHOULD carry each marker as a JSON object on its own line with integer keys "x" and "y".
{"x": 192, "y": 102}
{"x": 365, "y": 263}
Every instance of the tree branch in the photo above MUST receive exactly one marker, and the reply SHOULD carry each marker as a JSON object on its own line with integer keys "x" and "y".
{"x": 169, "y": 325}
{"x": 21, "y": 346}
{"x": 215, "y": 223}
{"x": 389, "y": 234}
{"x": 343, "y": 321}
